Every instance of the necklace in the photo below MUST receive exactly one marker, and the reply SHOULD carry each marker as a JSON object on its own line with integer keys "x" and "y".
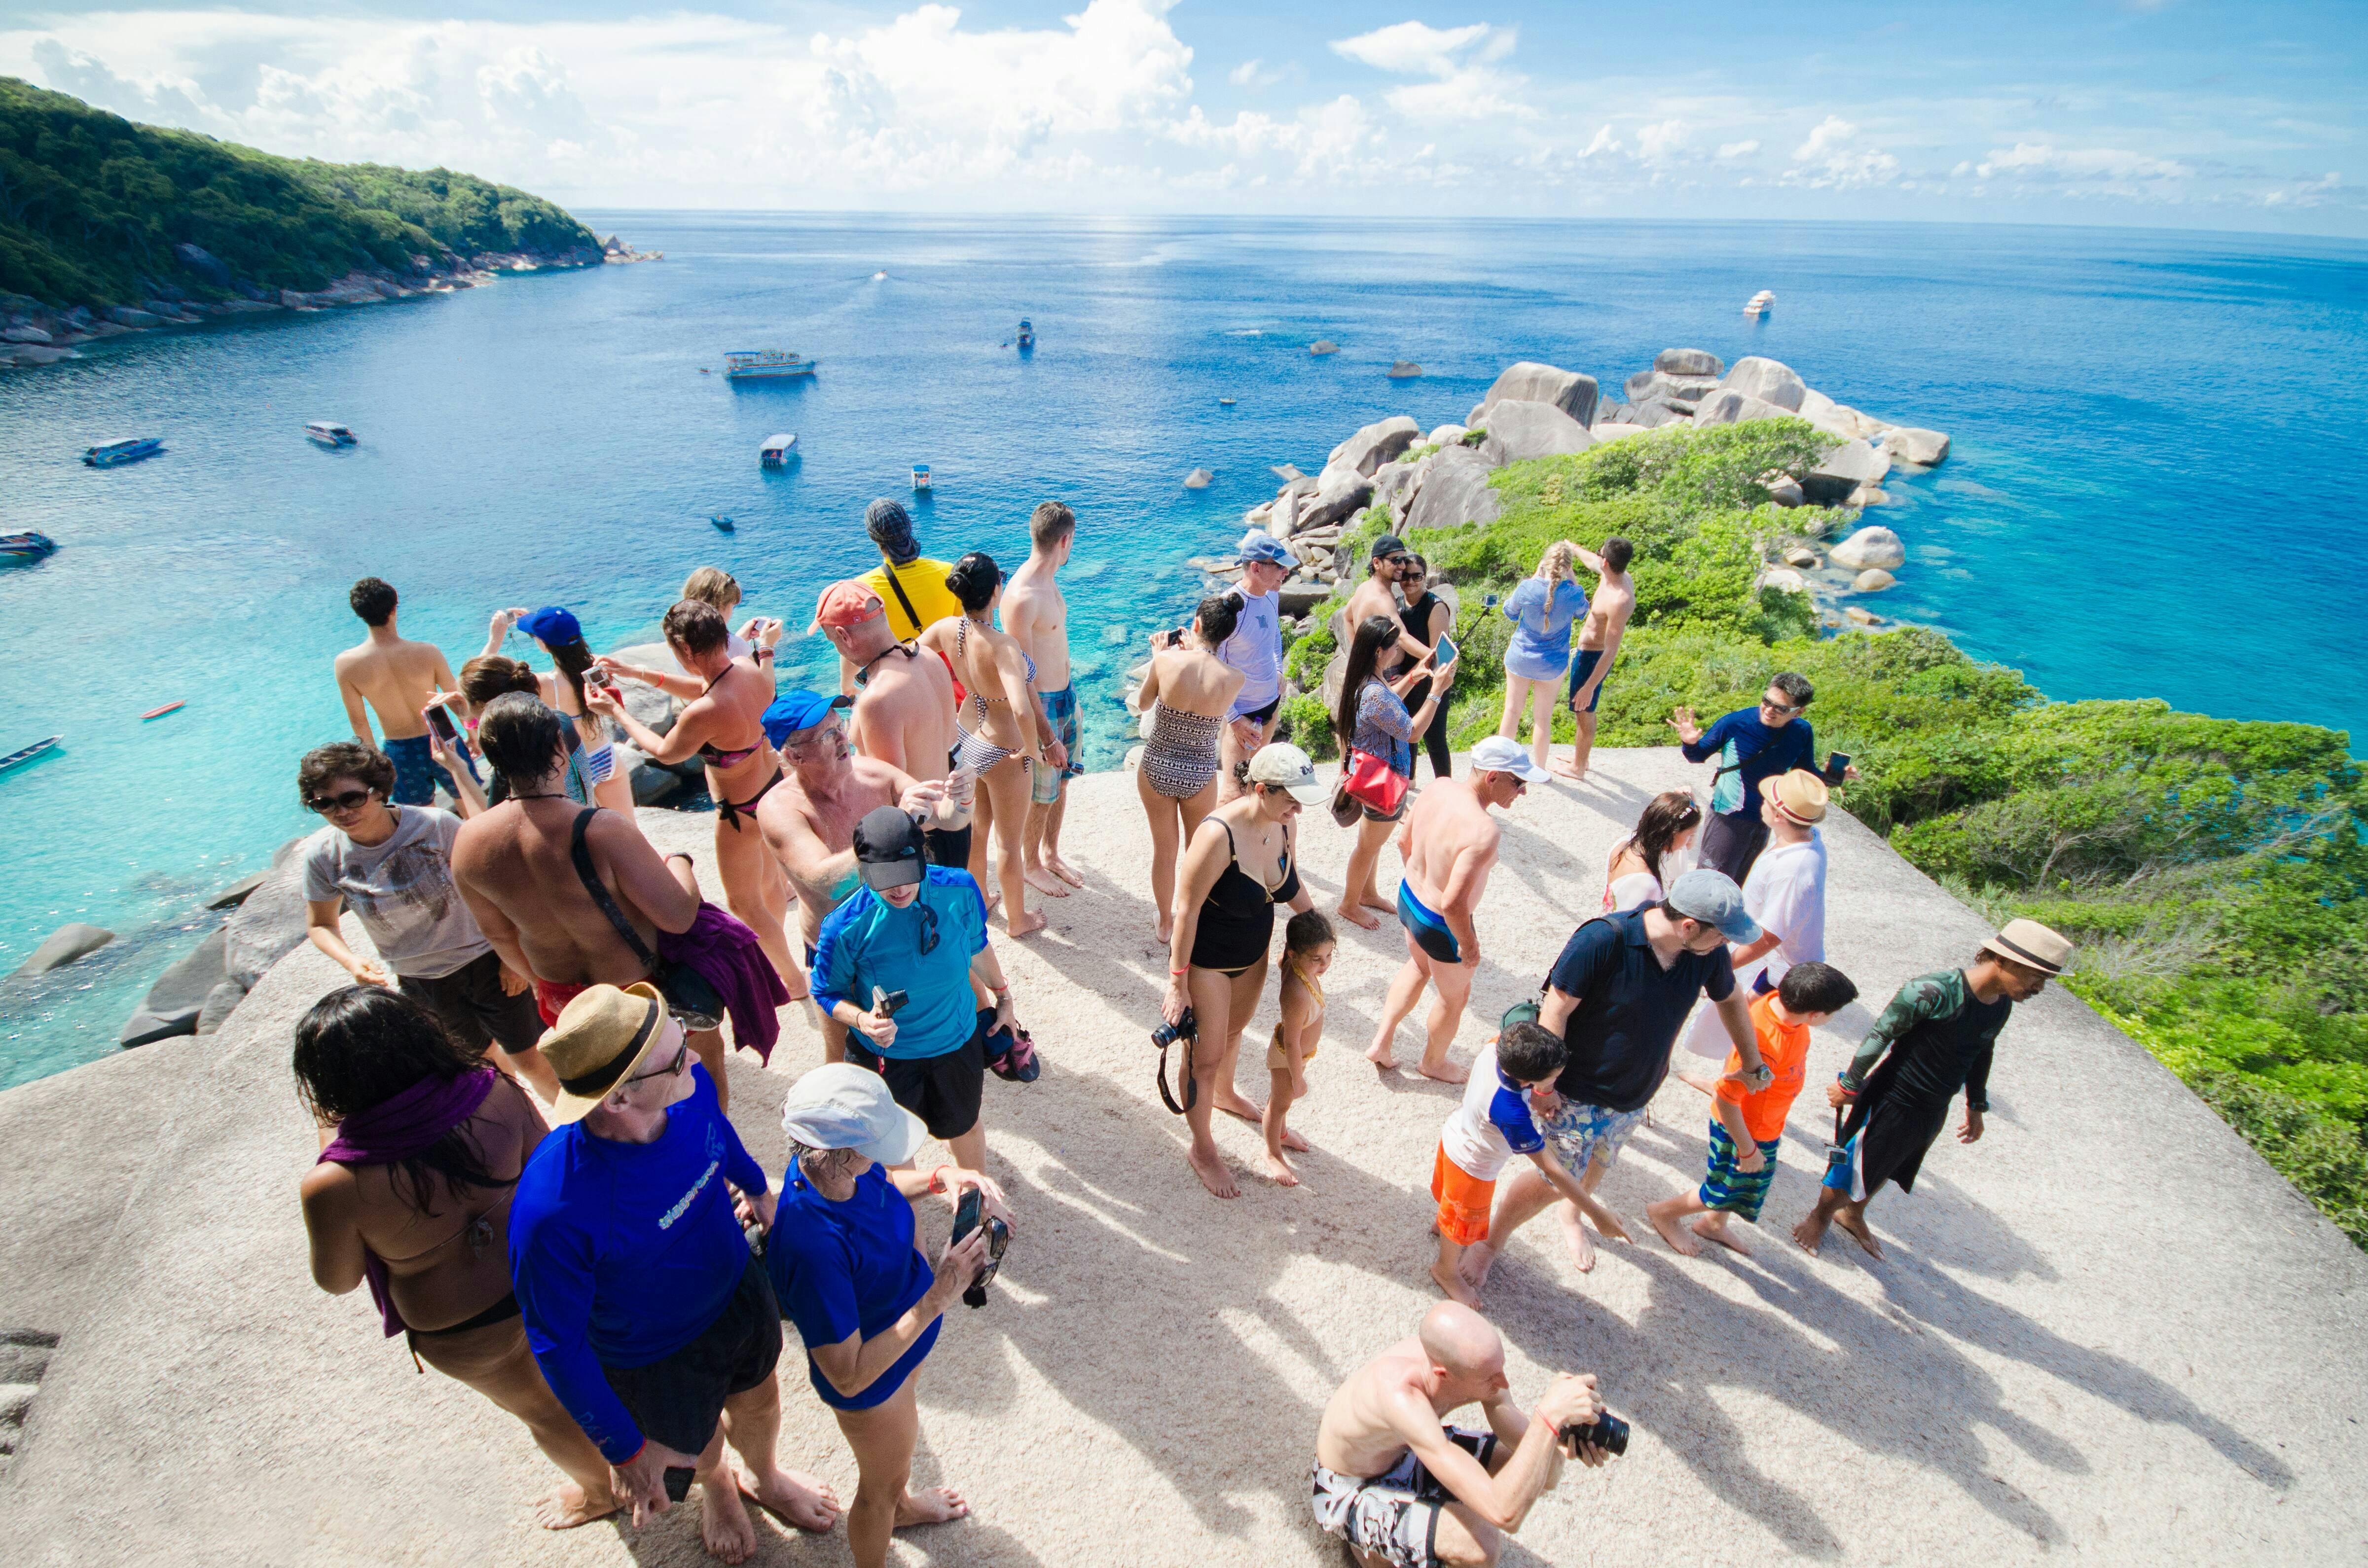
{"x": 558, "y": 796}
{"x": 863, "y": 671}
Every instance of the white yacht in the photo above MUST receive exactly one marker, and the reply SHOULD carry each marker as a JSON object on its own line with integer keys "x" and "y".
{"x": 328, "y": 433}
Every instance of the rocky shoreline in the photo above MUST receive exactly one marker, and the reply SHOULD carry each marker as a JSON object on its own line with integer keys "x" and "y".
{"x": 33, "y": 335}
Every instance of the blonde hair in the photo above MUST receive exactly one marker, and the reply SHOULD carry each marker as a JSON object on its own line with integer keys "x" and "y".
{"x": 714, "y": 586}
{"x": 1559, "y": 560}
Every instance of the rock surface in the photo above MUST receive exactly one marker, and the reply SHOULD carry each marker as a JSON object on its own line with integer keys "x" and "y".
{"x": 1801, "y": 555}
{"x": 1690, "y": 362}
{"x": 1571, "y": 391}
{"x": 268, "y": 923}
{"x": 1873, "y": 580}
{"x": 1766, "y": 379}
{"x": 1454, "y": 492}
{"x": 1519, "y": 430}
{"x": 1197, "y": 479}
{"x": 1374, "y": 445}
{"x": 1844, "y": 470}
{"x": 220, "y": 1004}
{"x": 1731, "y": 407}
{"x": 1446, "y": 436}
{"x": 1908, "y": 444}
{"x": 1871, "y": 547}
{"x": 236, "y": 893}
{"x": 173, "y": 1002}
{"x": 1405, "y": 370}
{"x": 61, "y": 946}
{"x": 1323, "y": 346}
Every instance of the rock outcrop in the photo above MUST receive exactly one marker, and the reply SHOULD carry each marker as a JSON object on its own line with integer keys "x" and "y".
{"x": 1374, "y": 445}
{"x": 1519, "y": 429}
{"x": 1843, "y": 470}
{"x": 1871, "y": 547}
{"x": 1454, "y": 492}
{"x": 1768, "y": 380}
{"x": 1690, "y": 362}
{"x": 1873, "y": 580}
{"x": 1405, "y": 370}
{"x": 1730, "y": 406}
{"x": 173, "y": 1003}
{"x": 1907, "y": 443}
{"x": 61, "y": 946}
{"x": 1197, "y": 479}
{"x": 1573, "y": 393}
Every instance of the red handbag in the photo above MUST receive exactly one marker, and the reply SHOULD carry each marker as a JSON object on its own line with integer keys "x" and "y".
{"x": 1371, "y": 782}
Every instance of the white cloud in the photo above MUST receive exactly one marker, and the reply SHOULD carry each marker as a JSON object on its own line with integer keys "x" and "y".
{"x": 2113, "y": 166}
{"x": 1411, "y": 49}
{"x": 1738, "y": 149}
{"x": 1254, "y": 73}
{"x": 2307, "y": 193}
{"x": 1465, "y": 87}
{"x": 1831, "y": 132}
{"x": 1826, "y": 162}
{"x": 1658, "y": 143}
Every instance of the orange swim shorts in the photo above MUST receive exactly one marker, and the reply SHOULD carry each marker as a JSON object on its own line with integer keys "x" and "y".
{"x": 1464, "y": 1200}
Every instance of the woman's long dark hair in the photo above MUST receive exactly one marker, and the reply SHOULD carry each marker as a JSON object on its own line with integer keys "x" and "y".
{"x": 1667, "y": 814}
{"x": 1374, "y": 633}
{"x": 573, "y": 657}
{"x": 973, "y": 581}
{"x": 362, "y": 1046}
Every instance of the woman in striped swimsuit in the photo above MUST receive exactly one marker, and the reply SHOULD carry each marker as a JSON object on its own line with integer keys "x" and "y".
{"x": 996, "y": 729}
{"x": 1188, "y": 692}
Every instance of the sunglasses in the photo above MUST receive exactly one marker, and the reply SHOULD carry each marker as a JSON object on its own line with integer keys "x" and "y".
{"x": 680, "y": 1051}
{"x": 1787, "y": 709}
{"x": 819, "y": 740}
{"x": 350, "y": 800}
{"x": 928, "y": 927}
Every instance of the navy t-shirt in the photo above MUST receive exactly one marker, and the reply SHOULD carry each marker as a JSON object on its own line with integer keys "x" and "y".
{"x": 843, "y": 1268}
{"x": 1630, "y": 1008}
{"x": 1745, "y": 745}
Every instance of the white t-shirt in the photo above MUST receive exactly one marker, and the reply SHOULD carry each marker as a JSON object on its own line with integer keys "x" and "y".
{"x": 401, "y": 891}
{"x": 1255, "y": 648}
{"x": 1494, "y": 1122}
{"x": 1785, "y": 893}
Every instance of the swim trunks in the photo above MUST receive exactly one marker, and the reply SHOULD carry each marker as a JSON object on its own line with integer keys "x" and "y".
{"x": 1727, "y": 1185}
{"x": 1580, "y": 1134}
{"x": 947, "y": 848}
{"x": 1582, "y": 667}
{"x": 1061, "y": 712}
{"x": 678, "y": 1398}
{"x": 694, "y": 1002}
{"x": 417, "y": 774}
{"x": 945, "y": 1090}
{"x": 1425, "y": 925}
{"x": 1464, "y": 1200}
{"x": 1393, "y": 1516}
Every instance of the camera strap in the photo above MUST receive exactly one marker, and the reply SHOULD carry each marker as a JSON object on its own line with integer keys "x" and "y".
{"x": 1191, "y": 1089}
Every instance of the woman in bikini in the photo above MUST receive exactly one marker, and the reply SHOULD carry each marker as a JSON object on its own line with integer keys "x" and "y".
{"x": 1646, "y": 861}
{"x": 421, "y": 1146}
{"x": 1187, "y": 691}
{"x": 722, "y": 723}
{"x": 1238, "y": 866}
{"x": 997, "y": 730}
{"x": 559, "y": 635}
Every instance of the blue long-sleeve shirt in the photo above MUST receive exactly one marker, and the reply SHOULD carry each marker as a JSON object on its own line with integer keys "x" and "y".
{"x": 621, "y": 1253}
{"x": 1750, "y": 752}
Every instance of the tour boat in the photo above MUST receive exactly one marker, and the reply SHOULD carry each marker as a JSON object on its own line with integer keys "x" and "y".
{"x": 1760, "y": 303}
{"x": 881, "y": 276}
{"x": 27, "y": 754}
{"x": 920, "y": 476}
{"x": 27, "y": 546}
{"x": 328, "y": 433}
{"x": 777, "y": 450}
{"x": 1225, "y": 403}
{"x": 753, "y": 364}
{"x": 122, "y": 449}
{"x": 160, "y": 713}
{"x": 1026, "y": 339}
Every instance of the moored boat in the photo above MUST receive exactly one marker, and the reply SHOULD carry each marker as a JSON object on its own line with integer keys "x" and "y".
{"x": 1026, "y": 337}
{"x": 27, "y": 546}
{"x": 722, "y": 524}
{"x": 920, "y": 476}
{"x": 27, "y": 754}
{"x": 328, "y": 433}
{"x": 777, "y": 449}
{"x": 1760, "y": 303}
{"x": 122, "y": 449}
{"x": 759, "y": 364}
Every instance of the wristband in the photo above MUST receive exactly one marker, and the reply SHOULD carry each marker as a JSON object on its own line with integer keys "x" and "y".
{"x": 636, "y": 1453}
{"x": 1177, "y": 971}
{"x": 937, "y": 1178}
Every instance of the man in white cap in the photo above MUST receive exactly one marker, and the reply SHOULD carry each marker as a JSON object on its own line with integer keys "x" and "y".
{"x": 1935, "y": 1039}
{"x": 1618, "y": 995}
{"x": 1255, "y": 648}
{"x": 1785, "y": 893}
{"x": 650, "y": 1319}
{"x": 847, "y": 1273}
{"x": 1449, "y": 845}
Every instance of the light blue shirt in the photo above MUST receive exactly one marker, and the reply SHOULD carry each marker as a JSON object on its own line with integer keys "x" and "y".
{"x": 1540, "y": 648}
{"x": 867, "y": 942}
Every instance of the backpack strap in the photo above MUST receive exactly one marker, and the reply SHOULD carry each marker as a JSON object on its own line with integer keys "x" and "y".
{"x": 581, "y": 852}
{"x": 888, "y": 570}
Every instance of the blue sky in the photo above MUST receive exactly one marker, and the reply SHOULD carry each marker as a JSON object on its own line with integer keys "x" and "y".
{"x": 2160, "y": 113}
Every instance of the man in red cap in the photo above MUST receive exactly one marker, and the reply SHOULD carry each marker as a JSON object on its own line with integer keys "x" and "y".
{"x": 904, "y": 712}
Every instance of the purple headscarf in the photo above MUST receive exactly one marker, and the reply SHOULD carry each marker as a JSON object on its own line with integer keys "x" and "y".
{"x": 398, "y": 1128}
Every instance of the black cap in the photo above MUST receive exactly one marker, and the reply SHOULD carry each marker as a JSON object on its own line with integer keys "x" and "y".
{"x": 888, "y": 848}
{"x": 891, "y": 527}
{"x": 1388, "y": 544}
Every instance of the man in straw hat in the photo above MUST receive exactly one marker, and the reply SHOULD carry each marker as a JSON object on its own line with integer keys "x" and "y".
{"x": 650, "y": 1321}
{"x": 1935, "y": 1039}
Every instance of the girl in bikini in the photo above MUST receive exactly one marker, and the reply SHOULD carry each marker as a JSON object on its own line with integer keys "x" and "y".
{"x": 1187, "y": 692}
{"x": 721, "y": 723}
{"x": 997, "y": 730}
{"x": 1307, "y": 945}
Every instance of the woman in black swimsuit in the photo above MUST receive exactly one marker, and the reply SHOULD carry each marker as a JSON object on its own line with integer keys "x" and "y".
{"x": 1238, "y": 866}
{"x": 1427, "y": 620}
{"x": 721, "y": 723}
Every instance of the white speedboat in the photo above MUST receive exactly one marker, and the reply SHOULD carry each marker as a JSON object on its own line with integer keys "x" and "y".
{"x": 328, "y": 433}
{"x": 777, "y": 450}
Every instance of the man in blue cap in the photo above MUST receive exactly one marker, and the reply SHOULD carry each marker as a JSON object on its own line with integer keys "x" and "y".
{"x": 1618, "y": 995}
{"x": 1256, "y": 650}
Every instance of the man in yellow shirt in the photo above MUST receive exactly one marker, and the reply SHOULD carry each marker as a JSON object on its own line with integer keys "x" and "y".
{"x": 912, "y": 587}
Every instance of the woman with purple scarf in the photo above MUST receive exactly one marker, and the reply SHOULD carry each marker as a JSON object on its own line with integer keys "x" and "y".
{"x": 421, "y": 1147}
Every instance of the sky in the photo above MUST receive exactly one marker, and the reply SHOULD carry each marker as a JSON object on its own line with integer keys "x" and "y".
{"x": 2153, "y": 113}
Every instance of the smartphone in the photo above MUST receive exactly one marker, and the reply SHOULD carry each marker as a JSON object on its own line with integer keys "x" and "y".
{"x": 1443, "y": 652}
{"x": 967, "y": 1214}
{"x": 1835, "y": 763}
{"x": 439, "y": 719}
{"x": 887, "y": 1003}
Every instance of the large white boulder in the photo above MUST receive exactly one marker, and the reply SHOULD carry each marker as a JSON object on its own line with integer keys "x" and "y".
{"x": 1690, "y": 362}
{"x": 1374, "y": 445}
{"x": 1731, "y": 407}
{"x": 1454, "y": 492}
{"x": 1873, "y": 580}
{"x": 1768, "y": 380}
{"x": 1849, "y": 467}
{"x": 1341, "y": 492}
{"x": 1682, "y": 392}
{"x": 1908, "y": 444}
{"x": 1447, "y": 436}
{"x": 1871, "y": 547}
{"x": 1197, "y": 479}
{"x": 1529, "y": 382}
{"x": 1615, "y": 430}
{"x": 1828, "y": 415}
{"x": 1785, "y": 578}
{"x": 1519, "y": 429}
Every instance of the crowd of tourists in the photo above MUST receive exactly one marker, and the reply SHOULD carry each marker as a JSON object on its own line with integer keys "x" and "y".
{"x": 526, "y": 1153}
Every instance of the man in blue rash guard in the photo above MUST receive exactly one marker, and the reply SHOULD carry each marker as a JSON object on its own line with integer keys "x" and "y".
{"x": 650, "y": 1321}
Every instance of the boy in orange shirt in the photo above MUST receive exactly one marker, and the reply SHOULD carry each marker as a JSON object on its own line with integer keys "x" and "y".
{"x": 1747, "y": 1128}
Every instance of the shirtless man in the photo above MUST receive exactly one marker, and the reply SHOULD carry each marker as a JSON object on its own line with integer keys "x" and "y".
{"x": 904, "y": 712}
{"x": 396, "y": 678}
{"x": 1449, "y": 845}
{"x": 809, "y": 822}
{"x": 1378, "y": 594}
{"x": 1608, "y": 609}
{"x": 1037, "y": 617}
{"x": 517, "y": 873}
{"x": 1406, "y": 1489}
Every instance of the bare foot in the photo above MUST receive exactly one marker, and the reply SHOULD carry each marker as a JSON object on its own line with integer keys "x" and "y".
{"x": 1064, "y": 870}
{"x": 1214, "y": 1174}
{"x": 1714, "y": 1228}
{"x": 797, "y": 1499}
{"x": 1238, "y": 1106}
{"x": 1477, "y": 1259}
{"x": 723, "y": 1522}
{"x": 1165, "y": 926}
{"x": 1027, "y": 921}
{"x": 1382, "y": 1056}
{"x": 569, "y": 1506}
{"x": 1446, "y": 1071}
{"x": 938, "y": 1505}
{"x": 1280, "y": 1169}
{"x": 1582, "y": 1245}
{"x": 1680, "y": 1240}
{"x": 1045, "y": 882}
{"x": 1378, "y": 901}
{"x": 1810, "y": 1231}
{"x": 1355, "y": 915}
{"x": 1855, "y": 1224}
{"x": 1452, "y": 1280}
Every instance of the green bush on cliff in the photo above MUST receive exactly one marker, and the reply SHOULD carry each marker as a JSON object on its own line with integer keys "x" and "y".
{"x": 90, "y": 203}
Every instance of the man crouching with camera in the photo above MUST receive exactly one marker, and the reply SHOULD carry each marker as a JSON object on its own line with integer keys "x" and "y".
{"x": 1406, "y": 1489}
{"x": 850, "y": 1273}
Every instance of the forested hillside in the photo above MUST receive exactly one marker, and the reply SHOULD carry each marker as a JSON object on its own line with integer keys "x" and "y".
{"x": 93, "y": 208}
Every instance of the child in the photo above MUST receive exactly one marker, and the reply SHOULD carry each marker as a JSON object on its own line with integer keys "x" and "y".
{"x": 1510, "y": 1091}
{"x": 1747, "y": 1128}
{"x": 1306, "y": 954}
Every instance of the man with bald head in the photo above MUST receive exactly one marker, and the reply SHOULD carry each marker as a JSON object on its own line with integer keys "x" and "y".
{"x": 1406, "y": 1489}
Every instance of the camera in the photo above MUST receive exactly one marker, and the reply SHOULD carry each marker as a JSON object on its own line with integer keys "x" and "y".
{"x": 887, "y": 1003}
{"x": 1167, "y": 1034}
{"x": 1607, "y": 1432}
{"x": 967, "y": 1216}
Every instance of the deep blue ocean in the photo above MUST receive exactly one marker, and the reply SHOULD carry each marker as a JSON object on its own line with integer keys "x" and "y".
{"x": 2155, "y": 489}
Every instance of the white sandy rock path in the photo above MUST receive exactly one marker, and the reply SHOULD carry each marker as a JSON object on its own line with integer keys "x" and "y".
{"x": 2107, "y": 1328}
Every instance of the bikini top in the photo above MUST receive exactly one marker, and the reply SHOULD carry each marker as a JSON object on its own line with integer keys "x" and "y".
{"x": 1291, "y": 966}
{"x": 723, "y": 759}
{"x": 962, "y": 642}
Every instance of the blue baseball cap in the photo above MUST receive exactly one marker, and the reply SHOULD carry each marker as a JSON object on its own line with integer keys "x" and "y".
{"x": 1258, "y": 545}
{"x": 795, "y": 710}
{"x": 552, "y": 626}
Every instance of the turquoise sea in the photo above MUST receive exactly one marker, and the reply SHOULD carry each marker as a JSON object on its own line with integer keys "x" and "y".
{"x": 2154, "y": 490}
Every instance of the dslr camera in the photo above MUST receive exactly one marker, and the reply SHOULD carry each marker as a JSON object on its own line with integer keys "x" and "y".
{"x": 967, "y": 1218}
{"x": 1607, "y": 1432}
